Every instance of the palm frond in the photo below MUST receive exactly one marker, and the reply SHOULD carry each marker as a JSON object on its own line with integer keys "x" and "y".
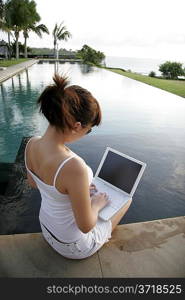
{"x": 60, "y": 33}
{"x": 39, "y": 29}
{"x": 55, "y": 30}
{"x": 4, "y": 27}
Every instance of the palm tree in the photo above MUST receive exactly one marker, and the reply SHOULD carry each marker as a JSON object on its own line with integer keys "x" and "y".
{"x": 38, "y": 29}
{"x": 32, "y": 18}
{"x": 59, "y": 33}
{"x": 23, "y": 16}
{"x": 17, "y": 17}
{"x": 5, "y": 24}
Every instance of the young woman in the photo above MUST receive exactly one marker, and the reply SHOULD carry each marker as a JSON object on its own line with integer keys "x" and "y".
{"x": 69, "y": 207}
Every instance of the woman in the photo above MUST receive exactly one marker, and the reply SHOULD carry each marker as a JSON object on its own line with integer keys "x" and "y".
{"x": 69, "y": 207}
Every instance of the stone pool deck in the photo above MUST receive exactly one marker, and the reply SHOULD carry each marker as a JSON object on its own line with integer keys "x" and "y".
{"x": 147, "y": 249}
{"x": 12, "y": 70}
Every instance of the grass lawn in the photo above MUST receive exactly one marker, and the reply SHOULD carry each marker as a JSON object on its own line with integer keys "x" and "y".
{"x": 173, "y": 86}
{"x": 8, "y": 63}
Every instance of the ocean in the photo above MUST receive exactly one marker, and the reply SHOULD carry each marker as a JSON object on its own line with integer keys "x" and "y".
{"x": 139, "y": 65}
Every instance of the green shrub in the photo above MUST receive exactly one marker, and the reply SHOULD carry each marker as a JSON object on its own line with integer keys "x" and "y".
{"x": 90, "y": 55}
{"x": 171, "y": 70}
{"x": 152, "y": 74}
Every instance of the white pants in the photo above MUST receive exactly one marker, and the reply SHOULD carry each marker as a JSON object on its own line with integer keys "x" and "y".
{"x": 86, "y": 246}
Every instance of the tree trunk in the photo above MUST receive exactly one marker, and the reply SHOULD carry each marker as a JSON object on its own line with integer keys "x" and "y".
{"x": 17, "y": 48}
{"x": 25, "y": 48}
{"x": 9, "y": 47}
{"x": 57, "y": 52}
{"x": 17, "y": 45}
{"x": 55, "y": 42}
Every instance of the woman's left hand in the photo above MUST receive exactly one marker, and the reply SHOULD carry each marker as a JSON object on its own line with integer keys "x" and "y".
{"x": 92, "y": 189}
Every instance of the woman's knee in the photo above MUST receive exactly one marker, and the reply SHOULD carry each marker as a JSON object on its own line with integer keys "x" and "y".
{"x": 119, "y": 215}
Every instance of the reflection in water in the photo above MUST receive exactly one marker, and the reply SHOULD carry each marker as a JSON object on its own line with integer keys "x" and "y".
{"x": 16, "y": 104}
{"x": 139, "y": 120}
{"x": 28, "y": 84}
{"x": 20, "y": 85}
{"x": 2, "y": 91}
{"x": 56, "y": 67}
{"x": 16, "y": 116}
{"x": 85, "y": 68}
{"x": 13, "y": 87}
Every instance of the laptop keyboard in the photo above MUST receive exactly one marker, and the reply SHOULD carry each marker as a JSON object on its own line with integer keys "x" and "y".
{"x": 116, "y": 199}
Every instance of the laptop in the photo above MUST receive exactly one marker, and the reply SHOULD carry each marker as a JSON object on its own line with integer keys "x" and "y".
{"x": 118, "y": 175}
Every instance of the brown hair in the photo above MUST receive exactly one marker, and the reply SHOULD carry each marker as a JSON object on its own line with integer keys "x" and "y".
{"x": 62, "y": 105}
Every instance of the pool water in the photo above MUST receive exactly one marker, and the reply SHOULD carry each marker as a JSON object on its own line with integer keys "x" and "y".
{"x": 139, "y": 120}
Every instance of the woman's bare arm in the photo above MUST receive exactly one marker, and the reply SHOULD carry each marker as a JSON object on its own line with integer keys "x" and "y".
{"x": 76, "y": 182}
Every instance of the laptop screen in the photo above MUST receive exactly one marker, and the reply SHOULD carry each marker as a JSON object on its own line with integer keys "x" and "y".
{"x": 120, "y": 171}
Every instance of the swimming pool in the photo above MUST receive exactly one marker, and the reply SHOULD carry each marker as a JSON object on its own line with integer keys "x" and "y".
{"x": 138, "y": 120}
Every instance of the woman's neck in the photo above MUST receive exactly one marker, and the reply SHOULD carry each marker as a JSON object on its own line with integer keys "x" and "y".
{"x": 53, "y": 137}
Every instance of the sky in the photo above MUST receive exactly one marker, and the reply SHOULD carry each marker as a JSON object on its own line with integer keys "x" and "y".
{"x": 125, "y": 28}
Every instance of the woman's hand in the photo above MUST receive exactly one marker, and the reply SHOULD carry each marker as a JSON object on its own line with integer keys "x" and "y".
{"x": 99, "y": 201}
{"x": 92, "y": 189}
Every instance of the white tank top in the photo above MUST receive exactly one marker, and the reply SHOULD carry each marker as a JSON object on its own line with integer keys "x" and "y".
{"x": 56, "y": 211}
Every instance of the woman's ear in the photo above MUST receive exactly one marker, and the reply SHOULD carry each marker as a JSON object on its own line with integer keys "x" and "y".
{"x": 77, "y": 126}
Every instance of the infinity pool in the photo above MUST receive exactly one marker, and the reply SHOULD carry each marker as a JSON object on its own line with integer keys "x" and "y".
{"x": 138, "y": 120}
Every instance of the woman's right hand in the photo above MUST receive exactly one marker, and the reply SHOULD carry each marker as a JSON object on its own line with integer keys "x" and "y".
{"x": 99, "y": 200}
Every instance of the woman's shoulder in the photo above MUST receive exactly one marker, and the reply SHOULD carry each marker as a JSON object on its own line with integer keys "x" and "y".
{"x": 74, "y": 169}
{"x": 76, "y": 164}
{"x": 32, "y": 140}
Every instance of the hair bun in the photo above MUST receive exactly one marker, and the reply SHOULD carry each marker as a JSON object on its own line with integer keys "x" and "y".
{"x": 60, "y": 81}
{"x": 62, "y": 105}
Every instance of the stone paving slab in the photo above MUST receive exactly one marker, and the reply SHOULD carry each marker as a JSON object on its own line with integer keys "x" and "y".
{"x": 29, "y": 256}
{"x": 147, "y": 249}
{"x": 12, "y": 70}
